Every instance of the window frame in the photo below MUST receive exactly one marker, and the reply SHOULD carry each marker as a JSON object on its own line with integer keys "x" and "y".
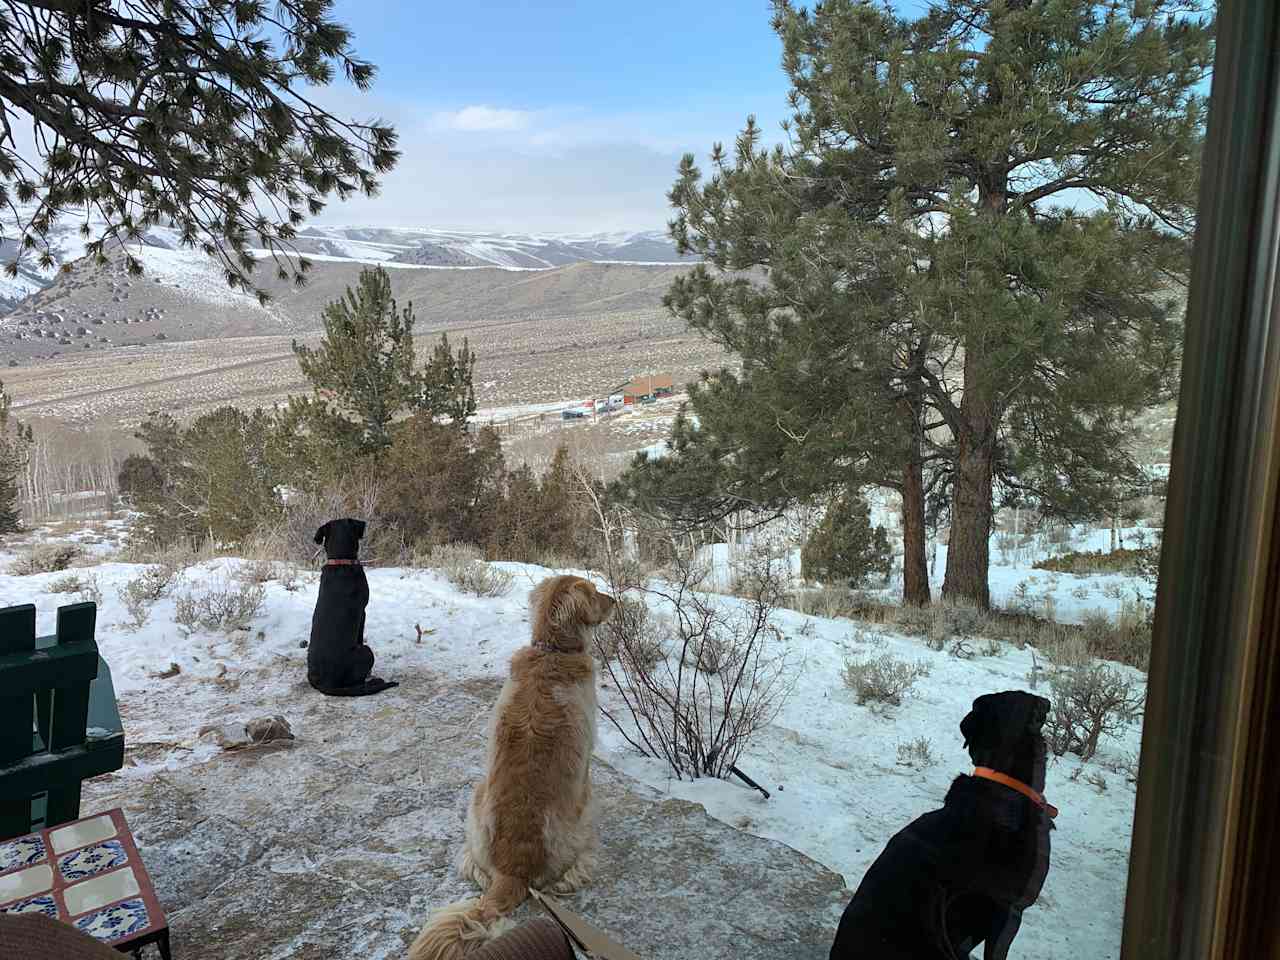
{"x": 1204, "y": 850}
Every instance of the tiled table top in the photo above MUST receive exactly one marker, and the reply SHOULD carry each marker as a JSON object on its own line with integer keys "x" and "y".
{"x": 86, "y": 873}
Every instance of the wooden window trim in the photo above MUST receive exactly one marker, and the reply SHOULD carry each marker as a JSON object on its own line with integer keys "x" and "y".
{"x": 1203, "y": 866}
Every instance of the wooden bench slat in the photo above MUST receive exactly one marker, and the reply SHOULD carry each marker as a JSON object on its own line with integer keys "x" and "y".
{"x": 46, "y": 668}
{"x": 76, "y": 622}
{"x": 37, "y": 772}
{"x": 18, "y": 628}
{"x": 17, "y": 638}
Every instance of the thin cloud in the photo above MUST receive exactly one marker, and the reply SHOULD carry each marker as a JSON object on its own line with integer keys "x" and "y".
{"x": 486, "y": 119}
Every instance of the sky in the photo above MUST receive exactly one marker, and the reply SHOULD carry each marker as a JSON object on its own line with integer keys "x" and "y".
{"x": 554, "y": 117}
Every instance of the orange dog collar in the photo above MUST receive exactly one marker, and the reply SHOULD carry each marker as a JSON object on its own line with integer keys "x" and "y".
{"x": 986, "y": 773}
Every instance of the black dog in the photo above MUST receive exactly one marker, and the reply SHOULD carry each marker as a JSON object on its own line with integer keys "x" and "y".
{"x": 962, "y": 875}
{"x": 338, "y": 661}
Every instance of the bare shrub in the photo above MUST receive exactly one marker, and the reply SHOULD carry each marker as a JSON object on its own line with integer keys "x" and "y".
{"x": 1089, "y": 700}
{"x": 292, "y": 537}
{"x": 228, "y": 607}
{"x": 71, "y": 583}
{"x": 916, "y": 753}
{"x": 256, "y": 571}
{"x": 882, "y": 679}
{"x": 633, "y": 635}
{"x": 86, "y": 587}
{"x": 461, "y": 565}
{"x": 46, "y": 558}
{"x": 290, "y": 576}
{"x": 139, "y": 594}
{"x": 1125, "y": 765}
{"x": 697, "y": 720}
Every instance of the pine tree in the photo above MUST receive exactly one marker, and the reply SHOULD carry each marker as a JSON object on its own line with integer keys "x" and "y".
{"x": 191, "y": 113}
{"x": 845, "y": 546}
{"x": 1008, "y": 188}
{"x": 445, "y": 385}
{"x": 363, "y": 372}
{"x": 364, "y": 364}
{"x": 214, "y": 479}
{"x": 15, "y": 440}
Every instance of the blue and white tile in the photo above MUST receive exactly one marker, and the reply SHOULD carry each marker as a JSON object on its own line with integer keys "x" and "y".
{"x": 22, "y": 852}
{"x": 42, "y": 904}
{"x": 117, "y": 921}
{"x": 90, "y": 860}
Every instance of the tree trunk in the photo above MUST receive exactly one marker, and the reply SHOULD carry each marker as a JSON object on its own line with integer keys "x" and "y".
{"x": 915, "y": 570}
{"x": 969, "y": 550}
{"x": 968, "y": 554}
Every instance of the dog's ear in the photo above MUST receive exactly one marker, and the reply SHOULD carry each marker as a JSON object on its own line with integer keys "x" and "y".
{"x": 571, "y": 606}
{"x": 358, "y": 526}
{"x": 978, "y": 726}
{"x": 323, "y": 532}
{"x": 1039, "y": 714}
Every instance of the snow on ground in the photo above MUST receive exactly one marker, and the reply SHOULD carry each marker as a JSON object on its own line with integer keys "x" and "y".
{"x": 839, "y": 791}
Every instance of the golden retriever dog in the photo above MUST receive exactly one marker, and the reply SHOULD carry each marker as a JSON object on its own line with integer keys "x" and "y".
{"x": 530, "y": 822}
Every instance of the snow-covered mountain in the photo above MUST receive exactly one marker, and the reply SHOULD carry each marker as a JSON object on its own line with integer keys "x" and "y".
{"x": 421, "y": 246}
{"x": 454, "y": 248}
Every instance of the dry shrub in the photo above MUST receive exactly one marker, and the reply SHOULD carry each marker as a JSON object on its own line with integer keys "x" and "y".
{"x": 882, "y": 679}
{"x": 178, "y": 555}
{"x": 831, "y": 603}
{"x": 46, "y": 558}
{"x": 228, "y": 607}
{"x": 461, "y": 565}
{"x": 71, "y": 583}
{"x": 696, "y": 720}
{"x": 1126, "y": 639}
{"x": 1096, "y": 561}
{"x": 632, "y": 635}
{"x": 256, "y": 571}
{"x": 142, "y": 591}
{"x": 87, "y": 587}
{"x": 1089, "y": 700}
{"x": 916, "y": 753}
{"x": 292, "y": 538}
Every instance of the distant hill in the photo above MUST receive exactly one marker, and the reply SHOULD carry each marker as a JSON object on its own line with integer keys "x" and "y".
{"x": 411, "y": 245}
{"x": 452, "y": 278}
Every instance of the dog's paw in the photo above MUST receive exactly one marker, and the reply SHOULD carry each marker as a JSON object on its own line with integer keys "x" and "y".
{"x": 577, "y": 877}
{"x": 468, "y": 869}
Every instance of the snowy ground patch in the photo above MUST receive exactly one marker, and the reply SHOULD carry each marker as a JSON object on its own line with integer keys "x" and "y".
{"x": 833, "y": 766}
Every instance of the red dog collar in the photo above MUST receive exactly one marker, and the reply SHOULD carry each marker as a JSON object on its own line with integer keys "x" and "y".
{"x": 342, "y": 563}
{"x": 986, "y": 773}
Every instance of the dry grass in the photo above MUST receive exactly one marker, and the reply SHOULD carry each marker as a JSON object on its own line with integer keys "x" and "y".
{"x": 1125, "y": 638}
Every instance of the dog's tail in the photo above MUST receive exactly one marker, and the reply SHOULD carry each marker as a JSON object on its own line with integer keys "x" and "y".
{"x": 366, "y": 689}
{"x": 458, "y": 929}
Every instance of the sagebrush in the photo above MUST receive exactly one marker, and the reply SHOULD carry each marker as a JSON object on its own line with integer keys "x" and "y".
{"x": 46, "y": 558}
{"x": 1089, "y": 700}
{"x": 228, "y": 607}
{"x": 883, "y": 678}
{"x": 463, "y": 566}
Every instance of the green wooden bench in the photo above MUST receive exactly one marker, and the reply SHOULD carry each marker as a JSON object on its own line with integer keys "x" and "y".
{"x": 59, "y": 723}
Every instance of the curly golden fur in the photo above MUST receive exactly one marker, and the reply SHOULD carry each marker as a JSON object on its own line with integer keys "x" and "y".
{"x": 530, "y": 823}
